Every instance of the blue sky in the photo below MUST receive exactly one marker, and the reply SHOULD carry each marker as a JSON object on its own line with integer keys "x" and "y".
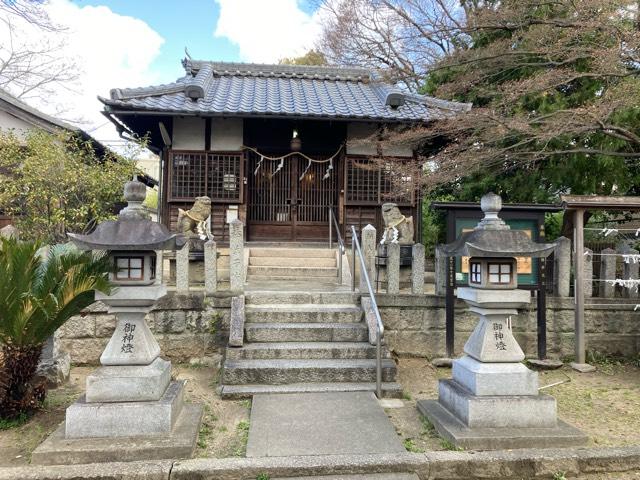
{"x": 188, "y": 24}
{"x": 191, "y": 24}
{"x": 135, "y": 43}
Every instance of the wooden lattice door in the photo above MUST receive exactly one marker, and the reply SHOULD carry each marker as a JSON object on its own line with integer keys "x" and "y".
{"x": 289, "y": 202}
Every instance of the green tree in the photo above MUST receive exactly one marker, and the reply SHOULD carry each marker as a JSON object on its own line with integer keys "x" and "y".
{"x": 312, "y": 57}
{"x": 554, "y": 88}
{"x": 54, "y": 184}
{"x": 39, "y": 292}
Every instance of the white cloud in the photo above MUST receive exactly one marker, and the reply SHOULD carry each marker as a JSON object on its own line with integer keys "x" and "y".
{"x": 266, "y": 31}
{"x": 110, "y": 50}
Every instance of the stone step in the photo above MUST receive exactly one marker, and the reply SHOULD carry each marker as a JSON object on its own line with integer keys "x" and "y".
{"x": 292, "y": 297}
{"x": 283, "y": 371}
{"x": 297, "y": 272}
{"x": 358, "y": 476}
{"x": 292, "y": 252}
{"x": 389, "y": 389}
{"x": 303, "y": 313}
{"x": 292, "y": 262}
{"x": 326, "y": 282}
{"x": 304, "y": 350}
{"x": 306, "y": 332}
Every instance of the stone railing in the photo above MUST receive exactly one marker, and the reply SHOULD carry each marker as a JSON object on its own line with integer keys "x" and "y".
{"x": 612, "y": 267}
{"x": 208, "y": 271}
{"x": 395, "y": 275}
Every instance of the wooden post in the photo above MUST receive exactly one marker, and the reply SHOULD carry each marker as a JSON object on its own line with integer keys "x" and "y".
{"x": 578, "y": 238}
{"x": 450, "y": 306}
{"x": 542, "y": 309}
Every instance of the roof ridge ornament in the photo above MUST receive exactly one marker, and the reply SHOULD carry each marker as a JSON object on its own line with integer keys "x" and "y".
{"x": 197, "y": 87}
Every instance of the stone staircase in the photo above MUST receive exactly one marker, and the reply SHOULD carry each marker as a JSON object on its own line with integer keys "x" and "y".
{"x": 304, "y": 342}
{"x": 268, "y": 264}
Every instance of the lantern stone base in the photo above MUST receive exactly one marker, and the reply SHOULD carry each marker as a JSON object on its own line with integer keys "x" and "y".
{"x": 482, "y": 438}
{"x": 129, "y": 383}
{"x": 497, "y": 411}
{"x": 125, "y": 419}
{"x": 494, "y": 378}
{"x": 57, "y": 449}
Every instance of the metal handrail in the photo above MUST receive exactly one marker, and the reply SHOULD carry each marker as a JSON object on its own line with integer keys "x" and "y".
{"x": 333, "y": 223}
{"x": 356, "y": 250}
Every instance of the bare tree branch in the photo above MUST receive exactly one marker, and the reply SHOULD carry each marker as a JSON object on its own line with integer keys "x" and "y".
{"x": 32, "y": 61}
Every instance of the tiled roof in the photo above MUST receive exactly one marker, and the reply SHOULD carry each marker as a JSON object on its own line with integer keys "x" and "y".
{"x": 31, "y": 115}
{"x": 215, "y": 88}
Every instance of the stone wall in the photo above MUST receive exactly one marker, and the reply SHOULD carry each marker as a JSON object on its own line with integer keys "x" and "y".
{"x": 193, "y": 326}
{"x": 415, "y": 326}
{"x": 187, "y": 327}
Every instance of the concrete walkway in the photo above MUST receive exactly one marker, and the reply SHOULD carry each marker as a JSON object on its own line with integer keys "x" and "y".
{"x": 320, "y": 424}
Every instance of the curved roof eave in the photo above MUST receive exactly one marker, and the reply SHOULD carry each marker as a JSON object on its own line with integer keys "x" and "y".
{"x": 122, "y": 110}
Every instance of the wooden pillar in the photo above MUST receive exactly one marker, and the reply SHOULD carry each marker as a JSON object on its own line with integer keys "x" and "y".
{"x": 450, "y": 306}
{"x": 578, "y": 238}
{"x": 541, "y": 311}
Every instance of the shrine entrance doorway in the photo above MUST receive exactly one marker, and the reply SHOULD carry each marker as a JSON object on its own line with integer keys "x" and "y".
{"x": 289, "y": 200}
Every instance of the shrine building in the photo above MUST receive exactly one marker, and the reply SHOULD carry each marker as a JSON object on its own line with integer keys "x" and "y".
{"x": 276, "y": 145}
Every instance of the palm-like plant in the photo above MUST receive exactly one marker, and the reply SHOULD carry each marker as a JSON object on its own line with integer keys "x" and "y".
{"x": 39, "y": 292}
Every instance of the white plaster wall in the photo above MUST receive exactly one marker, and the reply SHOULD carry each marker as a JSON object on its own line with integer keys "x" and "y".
{"x": 9, "y": 122}
{"x": 358, "y": 131}
{"x": 226, "y": 134}
{"x": 188, "y": 133}
{"x": 362, "y": 130}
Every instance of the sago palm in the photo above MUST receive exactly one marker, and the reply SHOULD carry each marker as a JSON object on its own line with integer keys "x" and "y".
{"x": 39, "y": 291}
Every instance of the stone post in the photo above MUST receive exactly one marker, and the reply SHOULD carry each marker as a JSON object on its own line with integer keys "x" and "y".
{"x": 210, "y": 267}
{"x": 588, "y": 273}
{"x": 630, "y": 272}
{"x": 9, "y": 231}
{"x": 563, "y": 266}
{"x": 236, "y": 254}
{"x": 441, "y": 272}
{"x": 159, "y": 267}
{"x": 607, "y": 272}
{"x": 182, "y": 269}
{"x": 55, "y": 364}
{"x": 393, "y": 268}
{"x": 417, "y": 269}
{"x": 236, "y": 324}
{"x": 369, "y": 253}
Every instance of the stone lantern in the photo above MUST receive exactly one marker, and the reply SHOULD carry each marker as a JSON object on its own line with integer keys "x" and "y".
{"x": 131, "y": 396}
{"x": 492, "y": 401}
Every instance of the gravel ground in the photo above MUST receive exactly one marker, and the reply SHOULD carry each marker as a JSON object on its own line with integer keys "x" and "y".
{"x": 605, "y": 404}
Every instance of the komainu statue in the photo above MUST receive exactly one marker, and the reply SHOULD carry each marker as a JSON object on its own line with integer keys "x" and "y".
{"x": 397, "y": 227}
{"x": 192, "y": 223}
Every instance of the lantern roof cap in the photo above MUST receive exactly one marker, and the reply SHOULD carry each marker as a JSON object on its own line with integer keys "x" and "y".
{"x": 133, "y": 230}
{"x": 492, "y": 237}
